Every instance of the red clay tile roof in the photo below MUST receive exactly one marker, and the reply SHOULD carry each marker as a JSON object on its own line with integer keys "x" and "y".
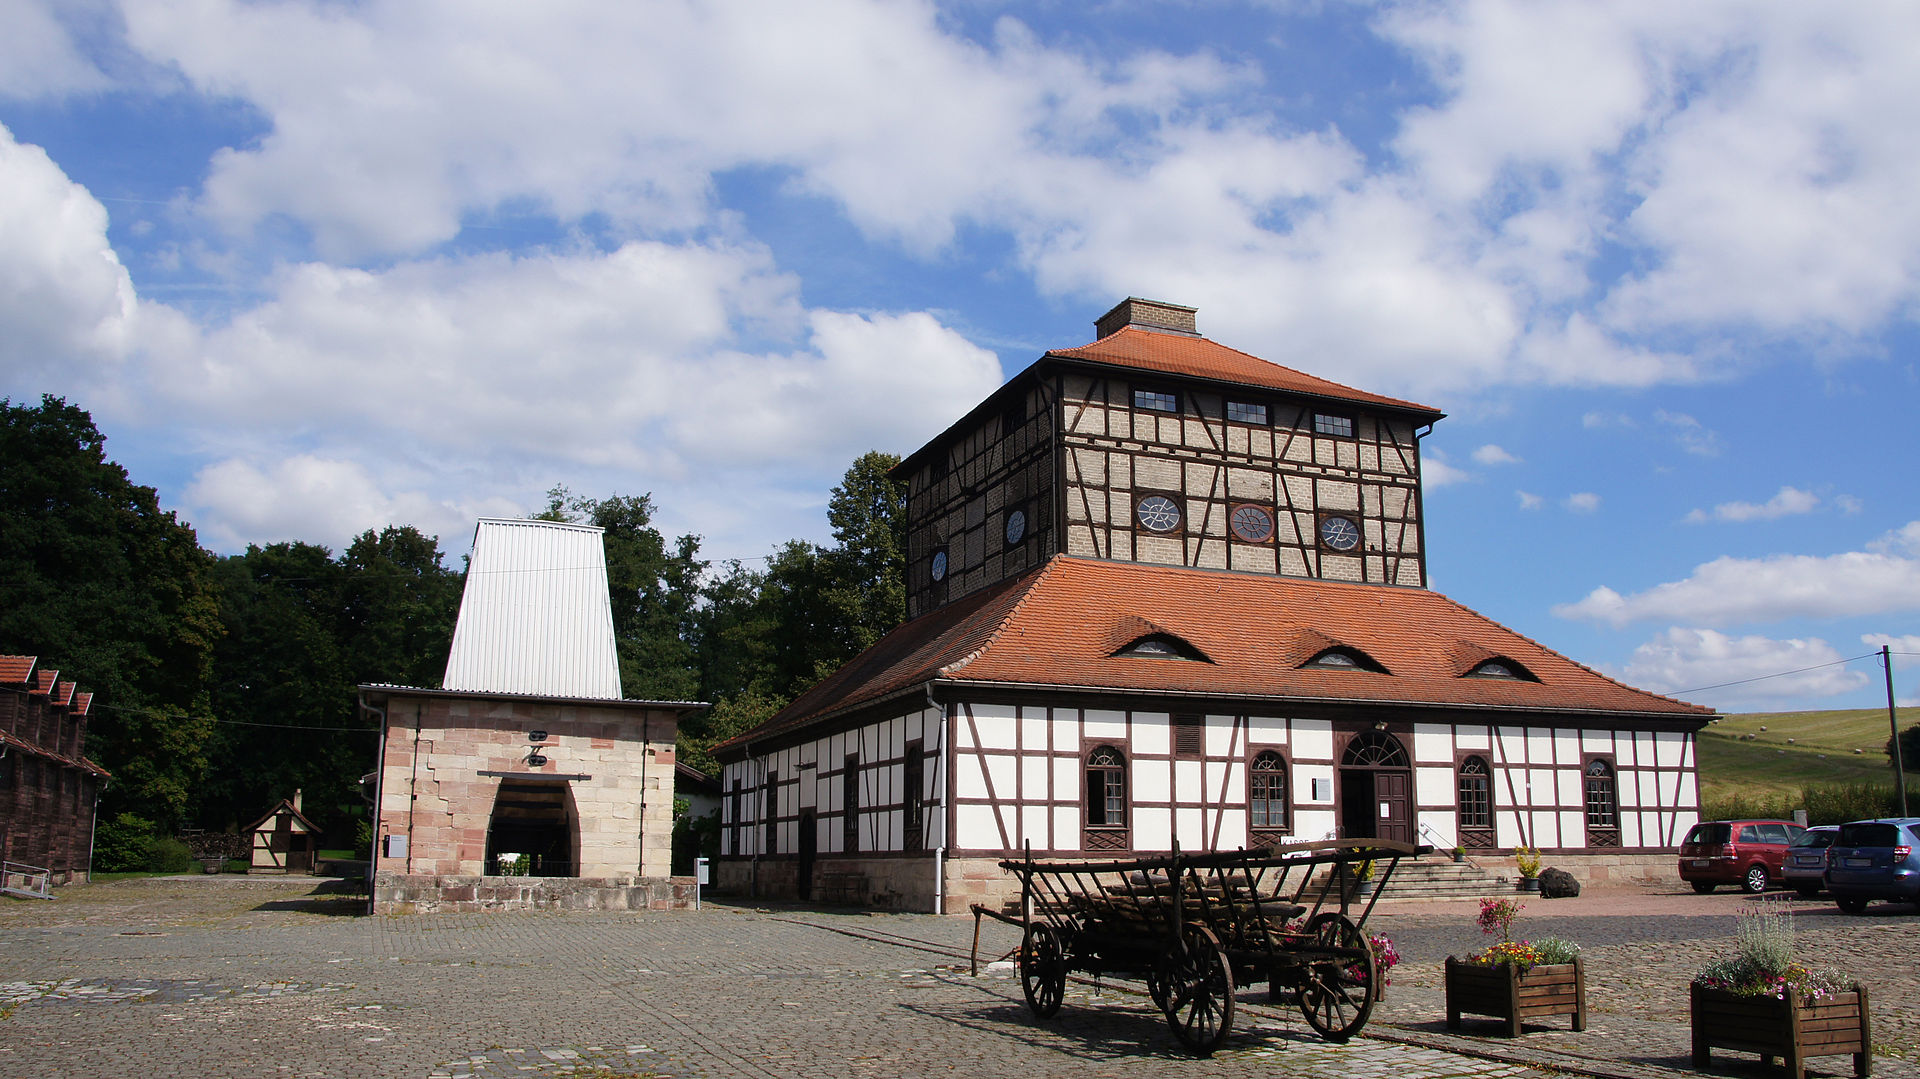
{"x": 43, "y": 682}
{"x": 63, "y": 694}
{"x": 1056, "y": 627}
{"x": 82, "y": 702}
{"x": 1197, "y": 357}
{"x": 16, "y": 669}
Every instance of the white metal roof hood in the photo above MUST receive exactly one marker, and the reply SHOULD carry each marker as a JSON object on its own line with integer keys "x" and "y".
{"x": 535, "y": 617}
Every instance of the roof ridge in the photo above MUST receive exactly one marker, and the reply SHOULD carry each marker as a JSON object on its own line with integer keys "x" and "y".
{"x": 947, "y": 670}
{"x": 1238, "y": 352}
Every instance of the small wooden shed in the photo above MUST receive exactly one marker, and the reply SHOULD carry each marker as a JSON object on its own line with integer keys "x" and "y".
{"x": 284, "y": 841}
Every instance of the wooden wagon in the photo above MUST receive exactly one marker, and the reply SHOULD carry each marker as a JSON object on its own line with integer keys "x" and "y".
{"x": 1198, "y": 927}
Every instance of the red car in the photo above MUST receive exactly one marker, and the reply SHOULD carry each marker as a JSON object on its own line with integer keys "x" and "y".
{"x": 1750, "y": 853}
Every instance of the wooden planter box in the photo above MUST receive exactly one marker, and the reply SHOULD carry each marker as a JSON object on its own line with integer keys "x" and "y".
{"x": 1508, "y": 993}
{"x": 1792, "y": 1029}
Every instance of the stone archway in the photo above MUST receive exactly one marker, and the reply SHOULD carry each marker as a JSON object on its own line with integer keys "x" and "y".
{"x": 537, "y": 820}
{"x": 1376, "y": 788}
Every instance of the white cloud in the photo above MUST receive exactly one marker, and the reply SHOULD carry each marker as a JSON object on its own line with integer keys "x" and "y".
{"x": 1685, "y": 660}
{"x": 1693, "y": 436}
{"x": 321, "y": 501}
{"x": 37, "y": 55}
{"x": 1435, "y": 471}
{"x": 64, "y": 296}
{"x": 1582, "y": 502}
{"x": 1786, "y": 502}
{"x": 1491, "y": 454}
{"x": 1598, "y": 420}
{"x": 1848, "y": 504}
{"x": 1729, "y": 591}
{"x": 1529, "y": 501}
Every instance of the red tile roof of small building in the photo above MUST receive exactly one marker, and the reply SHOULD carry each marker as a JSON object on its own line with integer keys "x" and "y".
{"x": 43, "y": 682}
{"x": 1057, "y": 627}
{"x": 1197, "y": 357}
{"x": 63, "y": 694}
{"x": 82, "y": 702}
{"x": 16, "y": 669}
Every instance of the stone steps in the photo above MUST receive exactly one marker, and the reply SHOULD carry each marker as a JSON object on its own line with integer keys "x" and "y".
{"x": 1437, "y": 877}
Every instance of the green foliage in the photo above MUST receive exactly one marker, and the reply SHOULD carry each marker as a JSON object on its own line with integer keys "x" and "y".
{"x": 1763, "y": 963}
{"x": 1527, "y": 860}
{"x": 169, "y": 855}
{"x": 699, "y": 733}
{"x": 693, "y": 837}
{"x": 122, "y": 843}
{"x": 1909, "y": 749}
{"x": 303, "y": 629}
{"x": 655, "y": 590}
{"x": 1554, "y": 950}
{"x": 1825, "y": 803}
{"x": 363, "y": 839}
{"x": 115, "y": 594}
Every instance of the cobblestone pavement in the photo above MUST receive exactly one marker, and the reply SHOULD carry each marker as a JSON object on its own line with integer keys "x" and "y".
{"x": 257, "y": 977}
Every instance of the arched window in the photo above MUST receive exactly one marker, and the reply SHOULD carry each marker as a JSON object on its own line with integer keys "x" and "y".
{"x": 1267, "y": 807}
{"x": 1603, "y": 805}
{"x": 1375, "y": 749}
{"x": 1106, "y": 808}
{"x": 1475, "y": 789}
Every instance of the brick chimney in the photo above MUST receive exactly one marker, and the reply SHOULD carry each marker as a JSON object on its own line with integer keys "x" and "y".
{"x": 296, "y": 801}
{"x": 1148, "y": 315}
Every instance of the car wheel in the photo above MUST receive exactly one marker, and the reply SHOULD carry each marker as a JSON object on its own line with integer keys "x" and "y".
{"x": 1756, "y": 881}
{"x": 1703, "y": 886}
{"x": 1850, "y": 905}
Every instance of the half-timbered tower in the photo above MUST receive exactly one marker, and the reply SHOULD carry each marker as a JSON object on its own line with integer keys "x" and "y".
{"x": 1164, "y": 591}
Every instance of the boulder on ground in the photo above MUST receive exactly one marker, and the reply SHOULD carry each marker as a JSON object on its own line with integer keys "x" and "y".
{"x": 1558, "y": 884}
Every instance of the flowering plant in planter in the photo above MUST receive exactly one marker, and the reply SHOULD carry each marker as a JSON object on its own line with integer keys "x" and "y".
{"x": 1516, "y": 980}
{"x": 1760, "y": 1000}
{"x": 1763, "y": 963}
{"x": 1498, "y": 916}
{"x": 1385, "y": 956}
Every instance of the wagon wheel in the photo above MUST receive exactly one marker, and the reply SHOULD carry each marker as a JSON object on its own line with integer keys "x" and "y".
{"x": 1337, "y": 991}
{"x": 1196, "y": 983}
{"x": 1043, "y": 970}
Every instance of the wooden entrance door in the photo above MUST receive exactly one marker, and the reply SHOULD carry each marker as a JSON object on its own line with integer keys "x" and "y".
{"x": 1393, "y": 805}
{"x": 809, "y": 844}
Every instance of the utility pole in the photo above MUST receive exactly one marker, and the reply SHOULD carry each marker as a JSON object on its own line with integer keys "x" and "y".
{"x": 1899, "y": 765}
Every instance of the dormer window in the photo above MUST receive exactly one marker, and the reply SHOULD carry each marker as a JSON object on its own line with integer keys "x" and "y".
{"x": 1162, "y": 646}
{"x": 1502, "y": 667}
{"x": 1343, "y": 659}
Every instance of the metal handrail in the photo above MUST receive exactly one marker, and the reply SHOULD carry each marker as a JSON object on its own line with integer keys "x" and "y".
{"x": 10, "y": 870}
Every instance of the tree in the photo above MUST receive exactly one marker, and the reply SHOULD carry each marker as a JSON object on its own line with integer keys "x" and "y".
{"x": 116, "y": 594}
{"x": 282, "y": 690}
{"x": 1909, "y": 750}
{"x": 867, "y": 568}
{"x": 398, "y": 603}
{"x": 655, "y": 591}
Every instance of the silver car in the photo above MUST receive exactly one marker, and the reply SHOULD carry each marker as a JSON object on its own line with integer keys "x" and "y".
{"x": 1805, "y": 867}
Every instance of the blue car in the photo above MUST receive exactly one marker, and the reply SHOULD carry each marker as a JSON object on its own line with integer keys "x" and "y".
{"x": 1875, "y": 859}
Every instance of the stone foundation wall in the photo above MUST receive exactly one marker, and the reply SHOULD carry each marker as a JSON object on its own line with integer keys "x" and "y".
{"x": 1605, "y": 868}
{"x": 904, "y": 884}
{"x": 397, "y": 893}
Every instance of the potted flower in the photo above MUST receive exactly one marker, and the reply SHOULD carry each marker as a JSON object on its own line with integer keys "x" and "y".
{"x": 1527, "y": 860}
{"x": 1515, "y": 981}
{"x": 1459, "y": 855}
{"x": 1385, "y": 958}
{"x": 1760, "y": 1000}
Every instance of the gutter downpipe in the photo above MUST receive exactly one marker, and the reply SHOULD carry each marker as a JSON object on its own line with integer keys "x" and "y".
{"x": 379, "y": 783}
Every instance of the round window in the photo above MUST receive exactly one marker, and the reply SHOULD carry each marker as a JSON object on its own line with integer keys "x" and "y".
{"x": 1157, "y": 513}
{"x": 1252, "y": 523}
{"x": 1339, "y": 533}
{"x": 939, "y": 568}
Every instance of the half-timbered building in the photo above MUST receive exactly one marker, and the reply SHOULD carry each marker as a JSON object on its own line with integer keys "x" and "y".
{"x": 1164, "y": 591}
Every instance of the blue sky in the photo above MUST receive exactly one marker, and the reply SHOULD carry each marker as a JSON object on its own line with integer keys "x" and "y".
{"x": 316, "y": 267}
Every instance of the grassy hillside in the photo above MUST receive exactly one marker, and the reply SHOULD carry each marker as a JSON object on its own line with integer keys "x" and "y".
{"x": 1789, "y": 750}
